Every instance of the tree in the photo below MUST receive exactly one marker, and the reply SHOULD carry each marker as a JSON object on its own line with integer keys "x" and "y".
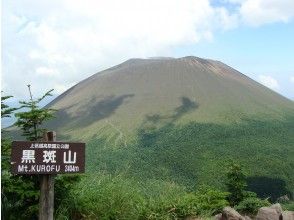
{"x": 6, "y": 112}
{"x": 20, "y": 193}
{"x": 17, "y": 193}
{"x": 31, "y": 120}
{"x": 236, "y": 184}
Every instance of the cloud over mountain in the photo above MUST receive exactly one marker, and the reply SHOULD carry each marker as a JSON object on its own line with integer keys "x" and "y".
{"x": 54, "y": 42}
{"x": 269, "y": 82}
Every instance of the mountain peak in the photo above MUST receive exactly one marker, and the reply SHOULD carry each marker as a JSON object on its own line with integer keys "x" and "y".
{"x": 160, "y": 59}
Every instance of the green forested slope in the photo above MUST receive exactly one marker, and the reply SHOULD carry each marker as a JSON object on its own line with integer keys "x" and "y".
{"x": 197, "y": 153}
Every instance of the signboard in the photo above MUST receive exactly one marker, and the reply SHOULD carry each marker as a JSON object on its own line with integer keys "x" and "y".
{"x": 32, "y": 157}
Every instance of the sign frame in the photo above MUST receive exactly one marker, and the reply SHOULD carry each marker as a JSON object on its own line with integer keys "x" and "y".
{"x": 47, "y": 157}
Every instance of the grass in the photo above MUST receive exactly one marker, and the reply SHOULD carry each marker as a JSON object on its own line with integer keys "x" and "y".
{"x": 289, "y": 206}
{"x": 104, "y": 196}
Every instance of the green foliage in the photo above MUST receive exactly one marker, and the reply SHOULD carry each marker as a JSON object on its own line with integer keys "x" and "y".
{"x": 6, "y": 112}
{"x": 5, "y": 153}
{"x": 203, "y": 202}
{"x": 104, "y": 196}
{"x": 236, "y": 184}
{"x": 62, "y": 186}
{"x": 244, "y": 201}
{"x": 197, "y": 153}
{"x": 31, "y": 120}
{"x": 250, "y": 205}
{"x": 289, "y": 206}
{"x": 20, "y": 194}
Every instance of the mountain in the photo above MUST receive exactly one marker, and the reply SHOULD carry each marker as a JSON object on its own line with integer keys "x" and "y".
{"x": 180, "y": 120}
{"x": 180, "y": 90}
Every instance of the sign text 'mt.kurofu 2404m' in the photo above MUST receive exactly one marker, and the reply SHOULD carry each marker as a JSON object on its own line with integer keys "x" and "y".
{"x": 32, "y": 157}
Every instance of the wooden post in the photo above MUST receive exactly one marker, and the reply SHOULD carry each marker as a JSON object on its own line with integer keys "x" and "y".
{"x": 46, "y": 205}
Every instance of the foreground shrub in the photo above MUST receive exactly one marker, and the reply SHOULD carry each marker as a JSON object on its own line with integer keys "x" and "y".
{"x": 63, "y": 185}
{"x": 160, "y": 199}
{"x": 117, "y": 197}
{"x": 102, "y": 197}
{"x": 19, "y": 196}
{"x": 204, "y": 202}
{"x": 251, "y": 204}
{"x": 289, "y": 206}
{"x": 236, "y": 183}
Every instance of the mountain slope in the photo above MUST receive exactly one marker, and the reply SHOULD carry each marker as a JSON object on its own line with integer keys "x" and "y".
{"x": 179, "y": 90}
{"x": 181, "y": 120}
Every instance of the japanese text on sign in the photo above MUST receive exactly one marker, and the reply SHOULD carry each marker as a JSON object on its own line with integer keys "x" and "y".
{"x": 47, "y": 157}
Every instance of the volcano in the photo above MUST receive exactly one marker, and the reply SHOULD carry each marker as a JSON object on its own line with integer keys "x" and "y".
{"x": 181, "y": 120}
{"x": 164, "y": 90}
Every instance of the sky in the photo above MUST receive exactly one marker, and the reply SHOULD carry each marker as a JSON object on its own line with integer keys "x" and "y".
{"x": 57, "y": 43}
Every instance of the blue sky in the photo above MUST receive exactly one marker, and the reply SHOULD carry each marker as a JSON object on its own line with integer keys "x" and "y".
{"x": 260, "y": 51}
{"x": 57, "y": 43}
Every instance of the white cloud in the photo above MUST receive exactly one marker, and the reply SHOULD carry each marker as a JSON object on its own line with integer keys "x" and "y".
{"x": 45, "y": 71}
{"x": 258, "y": 12}
{"x": 60, "y": 42}
{"x": 269, "y": 81}
{"x": 292, "y": 79}
{"x": 54, "y": 42}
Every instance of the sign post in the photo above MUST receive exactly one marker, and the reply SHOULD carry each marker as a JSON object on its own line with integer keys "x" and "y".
{"x": 46, "y": 206}
{"x": 47, "y": 158}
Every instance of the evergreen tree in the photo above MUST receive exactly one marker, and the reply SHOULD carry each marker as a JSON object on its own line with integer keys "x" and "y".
{"x": 236, "y": 184}
{"x": 30, "y": 121}
{"x": 20, "y": 193}
{"x": 6, "y": 112}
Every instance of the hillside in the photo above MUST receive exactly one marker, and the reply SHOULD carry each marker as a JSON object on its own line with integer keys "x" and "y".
{"x": 180, "y": 120}
{"x": 123, "y": 97}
